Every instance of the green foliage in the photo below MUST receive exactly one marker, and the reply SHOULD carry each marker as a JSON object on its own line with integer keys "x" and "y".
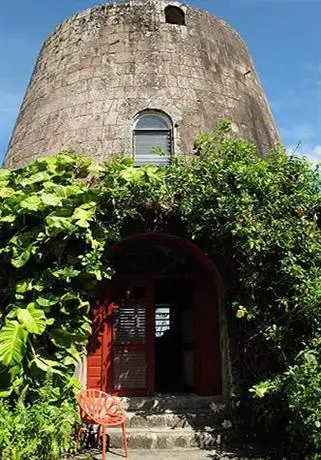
{"x": 257, "y": 218}
{"x": 50, "y": 263}
{"x": 42, "y": 429}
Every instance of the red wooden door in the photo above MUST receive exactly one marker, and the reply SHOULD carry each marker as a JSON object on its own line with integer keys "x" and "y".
{"x": 130, "y": 369}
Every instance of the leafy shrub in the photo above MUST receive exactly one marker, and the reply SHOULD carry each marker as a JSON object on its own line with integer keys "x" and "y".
{"x": 42, "y": 429}
{"x": 296, "y": 396}
{"x": 257, "y": 218}
{"x": 47, "y": 252}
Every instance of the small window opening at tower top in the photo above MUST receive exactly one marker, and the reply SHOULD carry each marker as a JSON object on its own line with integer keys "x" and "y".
{"x": 175, "y": 15}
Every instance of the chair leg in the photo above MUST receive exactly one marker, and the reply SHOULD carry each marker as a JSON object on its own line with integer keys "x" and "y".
{"x": 124, "y": 439}
{"x": 98, "y": 436}
{"x": 78, "y": 435}
{"x": 104, "y": 443}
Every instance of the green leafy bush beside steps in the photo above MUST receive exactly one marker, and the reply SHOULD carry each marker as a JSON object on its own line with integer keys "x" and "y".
{"x": 257, "y": 218}
{"x": 41, "y": 429}
{"x": 47, "y": 252}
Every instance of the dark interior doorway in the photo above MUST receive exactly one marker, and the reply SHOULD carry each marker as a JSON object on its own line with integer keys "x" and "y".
{"x": 174, "y": 336}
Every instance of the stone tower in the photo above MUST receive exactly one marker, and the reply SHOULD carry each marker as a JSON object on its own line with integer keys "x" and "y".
{"x": 103, "y": 70}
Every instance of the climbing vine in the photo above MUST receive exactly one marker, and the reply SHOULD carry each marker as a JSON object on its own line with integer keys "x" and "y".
{"x": 257, "y": 218}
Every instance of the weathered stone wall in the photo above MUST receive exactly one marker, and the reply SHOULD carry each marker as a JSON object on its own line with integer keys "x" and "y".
{"x": 102, "y": 66}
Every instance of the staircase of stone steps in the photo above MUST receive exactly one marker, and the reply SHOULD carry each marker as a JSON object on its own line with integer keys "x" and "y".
{"x": 184, "y": 427}
{"x": 173, "y": 422}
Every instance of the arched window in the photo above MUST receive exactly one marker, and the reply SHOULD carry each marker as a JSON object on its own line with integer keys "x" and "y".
{"x": 175, "y": 15}
{"x": 152, "y": 131}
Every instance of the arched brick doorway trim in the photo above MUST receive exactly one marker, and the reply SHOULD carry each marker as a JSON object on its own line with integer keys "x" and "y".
{"x": 179, "y": 243}
{"x": 106, "y": 364}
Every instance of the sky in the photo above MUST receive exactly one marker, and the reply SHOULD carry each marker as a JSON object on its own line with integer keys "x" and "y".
{"x": 283, "y": 36}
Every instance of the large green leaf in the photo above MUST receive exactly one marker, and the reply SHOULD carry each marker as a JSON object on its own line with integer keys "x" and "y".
{"x": 132, "y": 174}
{"x": 23, "y": 286}
{"x": 83, "y": 214}
{"x": 4, "y": 173}
{"x": 72, "y": 358}
{"x": 61, "y": 338}
{"x": 8, "y": 218}
{"x": 40, "y": 176}
{"x": 32, "y": 203}
{"x": 33, "y": 319}
{"x": 21, "y": 257}
{"x": 64, "y": 339}
{"x": 50, "y": 199}
{"x": 59, "y": 223}
{"x": 47, "y": 301}
{"x": 6, "y": 192}
{"x": 13, "y": 337}
{"x": 47, "y": 365}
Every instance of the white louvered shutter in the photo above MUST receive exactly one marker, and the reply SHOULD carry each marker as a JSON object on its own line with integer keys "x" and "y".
{"x": 152, "y": 132}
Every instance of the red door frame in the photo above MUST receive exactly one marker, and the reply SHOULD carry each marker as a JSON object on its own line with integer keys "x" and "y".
{"x": 207, "y": 362}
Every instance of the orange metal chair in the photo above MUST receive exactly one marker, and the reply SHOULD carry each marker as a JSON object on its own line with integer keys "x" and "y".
{"x": 97, "y": 407}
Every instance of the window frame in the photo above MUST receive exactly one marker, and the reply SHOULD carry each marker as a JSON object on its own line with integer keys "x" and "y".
{"x": 169, "y": 131}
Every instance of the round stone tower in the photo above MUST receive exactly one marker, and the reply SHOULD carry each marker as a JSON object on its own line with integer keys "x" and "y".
{"x": 101, "y": 71}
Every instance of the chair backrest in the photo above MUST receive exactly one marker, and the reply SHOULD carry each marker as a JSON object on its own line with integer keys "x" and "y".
{"x": 101, "y": 407}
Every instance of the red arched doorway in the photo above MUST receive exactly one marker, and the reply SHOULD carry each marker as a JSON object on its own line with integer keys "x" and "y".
{"x": 156, "y": 328}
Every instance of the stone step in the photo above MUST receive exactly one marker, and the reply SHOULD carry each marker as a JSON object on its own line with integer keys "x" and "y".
{"x": 205, "y": 418}
{"x": 163, "y": 454}
{"x": 174, "y": 403}
{"x": 166, "y": 438}
{"x": 242, "y": 453}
